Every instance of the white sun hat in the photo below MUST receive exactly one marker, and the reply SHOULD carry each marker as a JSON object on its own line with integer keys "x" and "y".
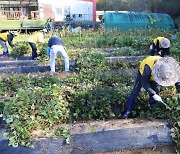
{"x": 44, "y": 30}
{"x": 14, "y": 33}
{"x": 164, "y": 43}
{"x": 166, "y": 71}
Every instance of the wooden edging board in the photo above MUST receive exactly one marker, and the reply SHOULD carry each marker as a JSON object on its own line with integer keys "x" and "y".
{"x": 100, "y": 136}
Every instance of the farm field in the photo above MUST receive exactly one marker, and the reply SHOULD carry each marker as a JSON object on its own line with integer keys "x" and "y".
{"x": 95, "y": 89}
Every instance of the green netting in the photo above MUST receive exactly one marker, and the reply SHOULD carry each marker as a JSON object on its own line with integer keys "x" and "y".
{"x": 137, "y": 20}
{"x": 162, "y": 21}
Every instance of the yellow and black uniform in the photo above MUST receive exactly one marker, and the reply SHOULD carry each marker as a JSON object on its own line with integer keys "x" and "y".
{"x": 33, "y": 41}
{"x": 36, "y": 38}
{"x": 156, "y": 49}
{"x": 6, "y": 37}
{"x": 144, "y": 79}
{"x": 150, "y": 62}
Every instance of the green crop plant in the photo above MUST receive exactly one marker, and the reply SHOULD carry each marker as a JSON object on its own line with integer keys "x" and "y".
{"x": 20, "y": 49}
{"x": 42, "y": 109}
{"x": 96, "y": 90}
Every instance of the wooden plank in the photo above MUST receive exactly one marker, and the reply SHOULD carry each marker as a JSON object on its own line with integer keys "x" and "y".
{"x": 129, "y": 138}
{"x": 24, "y": 69}
{"x": 18, "y": 63}
{"x": 125, "y": 58}
{"x": 101, "y": 136}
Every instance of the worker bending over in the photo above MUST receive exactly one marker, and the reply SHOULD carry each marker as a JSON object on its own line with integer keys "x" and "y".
{"x": 154, "y": 71}
{"x": 160, "y": 46}
{"x": 35, "y": 39}
{"x": 55, "y": 47}
{"x": 7, "y": 37}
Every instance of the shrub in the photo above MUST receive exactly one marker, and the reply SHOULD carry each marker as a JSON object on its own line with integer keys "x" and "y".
{"x": 20, "y": 49}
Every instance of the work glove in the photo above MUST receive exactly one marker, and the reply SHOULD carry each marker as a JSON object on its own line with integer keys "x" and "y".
{"x": 157, "y": 98}
{"x": 160, "y": 52}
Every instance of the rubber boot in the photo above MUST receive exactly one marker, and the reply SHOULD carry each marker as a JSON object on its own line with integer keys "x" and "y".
{"x": 129, "y": 108}
{"x": 126, "y": 114}
{"x": 34, "y": 55}
{"x": 5, "y": 54}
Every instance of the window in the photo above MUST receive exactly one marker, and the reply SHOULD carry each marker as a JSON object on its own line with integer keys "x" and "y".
{"x": 58, "y": 11}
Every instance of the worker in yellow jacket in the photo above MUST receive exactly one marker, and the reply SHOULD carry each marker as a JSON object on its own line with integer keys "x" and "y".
{"x": 160, "y": 46}
{"x": 7, "y": 37}
{"x": 154, "y": 71}
{"x": 36, "y": 38}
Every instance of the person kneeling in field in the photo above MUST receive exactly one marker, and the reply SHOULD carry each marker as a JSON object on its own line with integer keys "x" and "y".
{"x": 154, "y": 71}
{"x": 55, "y": 47}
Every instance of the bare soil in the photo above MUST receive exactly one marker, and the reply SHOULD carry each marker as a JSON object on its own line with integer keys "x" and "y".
{"x": 169, "y": 149}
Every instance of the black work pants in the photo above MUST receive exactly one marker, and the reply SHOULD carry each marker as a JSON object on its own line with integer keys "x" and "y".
{"x": 34, "y": 50}
{"x": 136, "y": 90}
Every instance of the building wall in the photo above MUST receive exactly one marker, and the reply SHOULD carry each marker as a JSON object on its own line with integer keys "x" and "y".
{"x": 76, "y": 9}
{"x": 82, "y": 11}
{"x": 94, "y": 7}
